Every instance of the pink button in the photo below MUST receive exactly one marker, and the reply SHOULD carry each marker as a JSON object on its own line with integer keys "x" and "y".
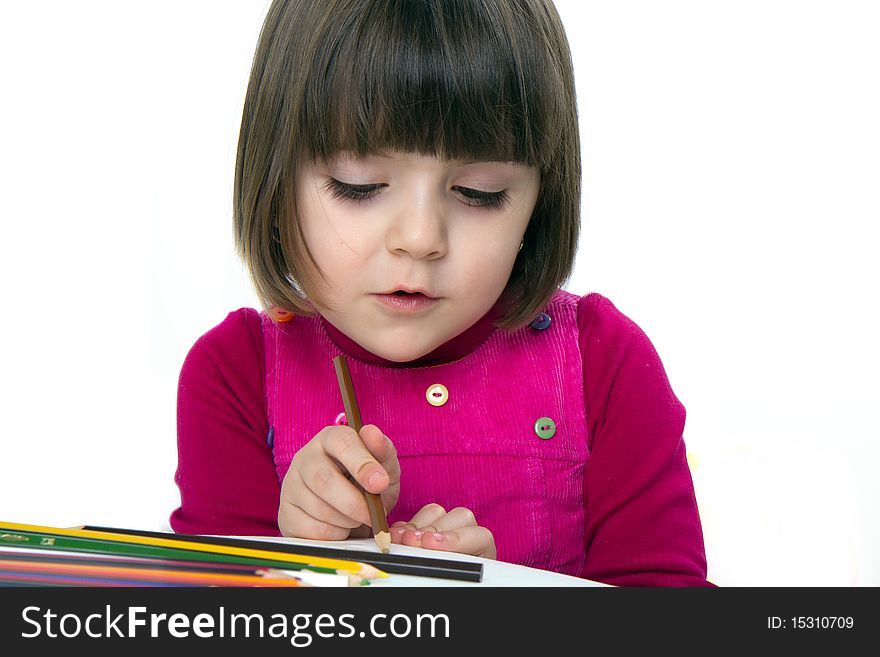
{"x": 341, "y": 419}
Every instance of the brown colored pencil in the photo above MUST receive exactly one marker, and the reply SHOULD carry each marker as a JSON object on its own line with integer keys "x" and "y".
{"x": 381, "y": 533}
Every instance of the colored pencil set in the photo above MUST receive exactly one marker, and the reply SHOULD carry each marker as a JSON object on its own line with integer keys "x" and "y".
{"x": 33, "y": 555}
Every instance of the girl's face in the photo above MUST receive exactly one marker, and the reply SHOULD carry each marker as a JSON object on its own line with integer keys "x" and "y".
{"x": 403, "y": 221}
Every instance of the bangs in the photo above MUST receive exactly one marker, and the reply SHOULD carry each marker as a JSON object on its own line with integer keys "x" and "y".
{"x": 439, "y": 78}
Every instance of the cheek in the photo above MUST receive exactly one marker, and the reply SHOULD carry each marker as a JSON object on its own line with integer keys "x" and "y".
{"x": 334, "y": 238}
{"x": 484, "y": 268}
{"x": 340, "y": 262}
{"x": 325, "y": 225}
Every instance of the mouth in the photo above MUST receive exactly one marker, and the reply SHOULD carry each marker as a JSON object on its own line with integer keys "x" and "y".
{"x": 402, "y": 300}
{"x": 404, "y": 292}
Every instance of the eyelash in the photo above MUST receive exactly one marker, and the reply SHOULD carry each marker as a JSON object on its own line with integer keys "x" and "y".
{"x": 357, "y": 193}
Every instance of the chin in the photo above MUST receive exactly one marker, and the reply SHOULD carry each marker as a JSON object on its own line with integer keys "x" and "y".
{"x": 402, "y": 357}
{"x": 397, "y": 354}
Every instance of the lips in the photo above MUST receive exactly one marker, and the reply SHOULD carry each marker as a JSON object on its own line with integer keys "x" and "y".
{"x": 406, "y": 300}
{"x": 404, "y": 291}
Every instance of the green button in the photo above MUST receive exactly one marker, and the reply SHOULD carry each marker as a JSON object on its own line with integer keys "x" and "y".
{"x": 545, "y": 428}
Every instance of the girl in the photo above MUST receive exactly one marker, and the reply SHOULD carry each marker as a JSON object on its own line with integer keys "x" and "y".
{"x": 407, "y": 194}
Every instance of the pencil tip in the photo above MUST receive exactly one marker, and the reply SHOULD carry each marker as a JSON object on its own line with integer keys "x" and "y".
{"x": 383, "y": 540}
{"x": 371, "y": 572}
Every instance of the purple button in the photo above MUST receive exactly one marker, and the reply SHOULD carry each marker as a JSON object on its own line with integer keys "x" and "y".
{"x": 542, "y": 322}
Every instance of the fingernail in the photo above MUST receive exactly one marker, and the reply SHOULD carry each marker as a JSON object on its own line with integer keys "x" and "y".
{"x": 399, "y": 530}
{"x": 438, "y": 537}
{"x": 418, "y": 533}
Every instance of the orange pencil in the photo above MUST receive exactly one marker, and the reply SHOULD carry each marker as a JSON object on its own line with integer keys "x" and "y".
{"x": 381, "y": 533}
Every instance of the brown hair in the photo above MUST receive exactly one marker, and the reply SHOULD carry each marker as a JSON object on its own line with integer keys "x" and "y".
{"x": 463, "y": 79}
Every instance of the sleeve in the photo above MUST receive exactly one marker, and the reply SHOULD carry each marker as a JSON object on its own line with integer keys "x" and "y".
{"x": 225, "y": 472}
{"x": 642, "y": 522}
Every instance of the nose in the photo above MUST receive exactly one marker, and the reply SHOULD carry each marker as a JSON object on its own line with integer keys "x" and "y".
{"x": 418, "y": 227}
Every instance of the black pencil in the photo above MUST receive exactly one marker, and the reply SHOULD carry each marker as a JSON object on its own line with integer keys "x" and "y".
{"x": 466, "y": 571}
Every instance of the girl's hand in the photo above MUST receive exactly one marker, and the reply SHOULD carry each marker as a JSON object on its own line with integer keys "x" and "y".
{"x": 318, "y": 500}
{"x": 456, "y": 531}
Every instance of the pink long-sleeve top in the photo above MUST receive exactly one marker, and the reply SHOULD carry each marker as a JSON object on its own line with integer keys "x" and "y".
{"x": 564, "y": 437}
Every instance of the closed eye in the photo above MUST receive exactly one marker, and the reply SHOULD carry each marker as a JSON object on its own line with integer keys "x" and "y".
{"x": 350, "y": 192}
{"x": 472, "y": 197}
{"x": 481, "y": 199}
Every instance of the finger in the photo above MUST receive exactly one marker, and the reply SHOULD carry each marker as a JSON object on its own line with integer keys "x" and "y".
{"x": 457, "y": 518}
{"x": 429, "y": 515}
{"x": 363, "y": 531}
{"x": 398, "y": 529}
{"x": 303, "y": 497}
{"x": 346, "y": 446}
{"x": 411, "y": 536}
{"x": 293, "y": 521}
{"x": 323, "y": 478}
{"x": 410, "y": 533}
{"x": 473, "y": 540}
{"x": 382, "y": 449}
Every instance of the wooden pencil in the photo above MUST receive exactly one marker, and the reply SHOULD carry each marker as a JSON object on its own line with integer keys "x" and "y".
{"x": 34, "y": 555}
{"x": 33, "y": 561}
{"x": 378, "y": 521}
{"x": 49, "y": 542}
{"x": 43, "y": 579}
{"x": 142, "y": 574}
{"x": 398, "y": 564}
{"x": 264, "y": 552}
{"x": 309, "y": 576}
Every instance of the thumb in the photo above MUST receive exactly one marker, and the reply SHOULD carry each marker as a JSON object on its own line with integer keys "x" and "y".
{"x": 376, "y": 442}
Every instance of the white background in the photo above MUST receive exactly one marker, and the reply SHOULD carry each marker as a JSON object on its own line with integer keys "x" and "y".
{"x": 731, "y": 157}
